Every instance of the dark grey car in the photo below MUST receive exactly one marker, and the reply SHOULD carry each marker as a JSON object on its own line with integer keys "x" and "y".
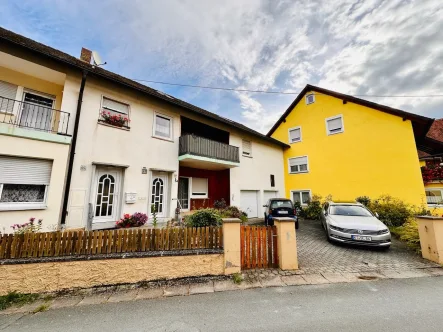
{"x": 353, "y": 223}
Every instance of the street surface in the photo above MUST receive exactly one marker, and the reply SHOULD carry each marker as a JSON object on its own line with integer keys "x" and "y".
{"x": 414, "y": 304}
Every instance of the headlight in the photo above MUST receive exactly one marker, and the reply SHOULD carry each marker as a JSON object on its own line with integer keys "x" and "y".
{"x": 335, "y": 228}
{"x": 383, "y": 231}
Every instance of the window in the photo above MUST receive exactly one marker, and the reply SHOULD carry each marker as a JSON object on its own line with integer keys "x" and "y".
{"x": 295, "y": 135}
{"x": 163, "y": 126}
{"x": 8, "y": 93}
{"x": 115, "y": 107}
{"x": 37, "y": 111}
{"x": 23, "y": 182}
{"x": 434, "y": 196}
{"x": 334, "y": 125}
{"x": 247, "y": 148}
{"x": 298, "y": 165}
{"x": 301, "y": 196}
{"x": 272, "y": 180}
{"x": 199, "y": 187}
{"x": 310, "y": 99}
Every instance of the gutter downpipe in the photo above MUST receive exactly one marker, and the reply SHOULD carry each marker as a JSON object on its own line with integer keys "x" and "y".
{"x": 72, "y": 151}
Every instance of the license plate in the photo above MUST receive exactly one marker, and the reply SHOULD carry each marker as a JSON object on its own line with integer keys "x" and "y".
{"x": 361, "y": 238}
{"x": 282, "y": 212}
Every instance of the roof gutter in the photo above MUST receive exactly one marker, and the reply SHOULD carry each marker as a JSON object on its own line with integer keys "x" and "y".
{"x": 72, "y": 150}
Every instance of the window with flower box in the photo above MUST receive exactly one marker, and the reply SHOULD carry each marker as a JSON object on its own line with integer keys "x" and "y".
{"x": 114, "y": 113}
{"x": 434, "y": 196}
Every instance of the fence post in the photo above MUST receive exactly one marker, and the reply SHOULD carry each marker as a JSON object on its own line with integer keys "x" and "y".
{"x": 430, "y": 230}
{"x": 231, "y": 245}
{"x": 286, "y": 243}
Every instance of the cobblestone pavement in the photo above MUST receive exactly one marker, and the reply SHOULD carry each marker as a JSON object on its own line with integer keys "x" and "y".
{"x": 316, "y": 254}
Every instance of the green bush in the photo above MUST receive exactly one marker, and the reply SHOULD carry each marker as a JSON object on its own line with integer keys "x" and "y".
{"x": 313, "y": 209}
{"x": 233, "y": 212}
{"x": 408, "y": 233}
{"x": 203, "y": 218}
{"x": 299, "y": 209}
{"x": 392, "y": 211}
{"x": 365, "y": 200}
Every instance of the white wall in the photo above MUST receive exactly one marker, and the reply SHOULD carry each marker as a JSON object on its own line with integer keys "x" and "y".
{"x": 136, "y": 148}
{"x": 254, "y": 172}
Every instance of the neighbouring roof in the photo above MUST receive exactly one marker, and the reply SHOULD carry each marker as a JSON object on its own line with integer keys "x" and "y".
{"x": 65, "y": 58}
{"x": 432, "y": 144}
{"x": 436, "y": 130}
{"x": 420, "y": 124}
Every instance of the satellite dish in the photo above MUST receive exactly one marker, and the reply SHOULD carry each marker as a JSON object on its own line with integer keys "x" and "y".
{"x": 97, "y": 60}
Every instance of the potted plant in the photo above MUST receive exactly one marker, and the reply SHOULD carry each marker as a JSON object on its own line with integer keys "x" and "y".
{"x": 113, "y": 119}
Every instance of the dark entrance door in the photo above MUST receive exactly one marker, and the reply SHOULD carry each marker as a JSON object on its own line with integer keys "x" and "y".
{"x": 183, "y": 192}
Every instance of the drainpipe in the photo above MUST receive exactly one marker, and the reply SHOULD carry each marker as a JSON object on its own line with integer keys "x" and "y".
{"x": 72, "y": 151}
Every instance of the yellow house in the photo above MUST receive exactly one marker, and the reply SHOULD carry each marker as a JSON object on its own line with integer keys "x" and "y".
{"x": 348, "y": 147}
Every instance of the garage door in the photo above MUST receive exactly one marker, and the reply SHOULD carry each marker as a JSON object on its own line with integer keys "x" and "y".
{"x": 267, "y": 194}
{"x": 249, "y": 202}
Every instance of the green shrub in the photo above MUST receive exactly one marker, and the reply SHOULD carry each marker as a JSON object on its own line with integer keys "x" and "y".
{"x": 313, "y": 209}
{"x": 365, "y": 200}
{"x": 392, "y": 211}
{"x": 299, "y": 209}
{"x": 408, "y": 233}
{"x": 233, "y": 212}
{"x": 203, "y": 218}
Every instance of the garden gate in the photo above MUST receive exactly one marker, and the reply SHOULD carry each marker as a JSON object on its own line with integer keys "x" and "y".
{"x": 258, "y": 247}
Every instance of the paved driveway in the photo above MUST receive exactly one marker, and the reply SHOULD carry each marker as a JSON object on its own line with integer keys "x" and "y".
{"x": 316, "y": 254}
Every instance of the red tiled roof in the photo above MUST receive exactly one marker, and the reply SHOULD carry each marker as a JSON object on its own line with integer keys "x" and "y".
{"x": 422, "y": 154}
{"x": 436, "y": 131}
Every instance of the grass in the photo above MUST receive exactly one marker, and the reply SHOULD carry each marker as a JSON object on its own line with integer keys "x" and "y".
{"x": 408, "y": 233}
{"x": 41, "y": 308}
{"x": 237, "y": 278}
{"x": 16, "y": 298}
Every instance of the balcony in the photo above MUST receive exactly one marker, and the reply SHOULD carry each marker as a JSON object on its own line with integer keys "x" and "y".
{"x": 35, "y": 116}
{"x": 203, "y": 153}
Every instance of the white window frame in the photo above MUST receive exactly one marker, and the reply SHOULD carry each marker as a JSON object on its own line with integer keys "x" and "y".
{"x": 16, "y": 206}
{"x": 300, "y": 191}
{"x": 432, "y": 205}
{"x": 117, "y": 101}
{"x": 300, "y": 172}
{"x": 340, "y": 116}
{"x": 289, "y": 135}
{"x": 198, "y": 196}
{"x": 307, "y": 98}
{"x": 170, "y": 127}
{"x": 242, "y": 152}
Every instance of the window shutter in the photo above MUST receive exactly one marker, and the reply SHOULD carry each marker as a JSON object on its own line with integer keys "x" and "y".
{"x": 294, "y": 135}
{"x": 298, "y": 161}
{"x": 199, "y": 185}
{"x": 9, "y": 91}
{"x": 247, "y": 148}
{"x": 335, "y": 124}
{"x": 115, "y": 105}
{"x": 16, "y": 170}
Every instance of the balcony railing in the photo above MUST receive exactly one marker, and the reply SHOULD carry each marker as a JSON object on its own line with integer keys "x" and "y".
{"x": 33, "y": 116}
{"x": 200, "y": 146}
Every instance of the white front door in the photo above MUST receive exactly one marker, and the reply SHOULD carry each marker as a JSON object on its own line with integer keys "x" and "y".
{"x": 249, "y": 202}
{"x": 106, "y": 194}
{"x": 159, "y": 193}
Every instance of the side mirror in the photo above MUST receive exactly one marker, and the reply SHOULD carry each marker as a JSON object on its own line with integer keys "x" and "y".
{"x": 376, "y": 214}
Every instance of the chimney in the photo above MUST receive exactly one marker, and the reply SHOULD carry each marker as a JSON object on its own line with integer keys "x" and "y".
{"x": 86, "y": 55}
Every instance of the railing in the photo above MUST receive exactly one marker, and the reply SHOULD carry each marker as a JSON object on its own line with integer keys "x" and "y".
{"x": 200, "y": 146}
{"x": 34, "y": 116}
{"x": 72, "y": 243}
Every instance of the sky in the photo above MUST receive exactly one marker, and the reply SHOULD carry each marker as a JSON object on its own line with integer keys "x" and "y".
{"x": 364, "y": 47}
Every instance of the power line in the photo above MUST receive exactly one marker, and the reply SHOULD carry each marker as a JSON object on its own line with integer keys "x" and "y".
{"x": 279, "y": 92}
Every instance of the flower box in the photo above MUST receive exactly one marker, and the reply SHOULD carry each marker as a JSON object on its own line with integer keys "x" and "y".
{"x": 114, "y": 119}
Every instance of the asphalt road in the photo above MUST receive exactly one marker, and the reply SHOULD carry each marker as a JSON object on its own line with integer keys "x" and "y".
{"x": 385, "y": 305}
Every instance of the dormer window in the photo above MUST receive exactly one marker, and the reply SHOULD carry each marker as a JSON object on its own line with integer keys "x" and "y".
{"x": 310, "y": 99}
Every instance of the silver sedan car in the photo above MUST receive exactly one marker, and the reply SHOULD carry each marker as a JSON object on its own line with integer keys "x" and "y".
{"x": 353, "y": 223}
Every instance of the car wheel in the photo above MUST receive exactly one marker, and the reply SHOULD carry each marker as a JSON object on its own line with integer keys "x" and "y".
{"x": 266, "y": 221}
{"x": 296, "y": 224}
{"x": 270, "y": 222}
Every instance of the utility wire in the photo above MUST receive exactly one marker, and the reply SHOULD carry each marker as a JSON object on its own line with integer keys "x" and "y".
{"x": 278, "y": 92}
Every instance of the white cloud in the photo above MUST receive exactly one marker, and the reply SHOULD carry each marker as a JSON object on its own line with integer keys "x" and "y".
{"x": 357, "y": 47}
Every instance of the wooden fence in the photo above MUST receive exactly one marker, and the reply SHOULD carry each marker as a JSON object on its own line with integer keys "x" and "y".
{"x": 71, "y": 243}
{"x": 258, "y": 247}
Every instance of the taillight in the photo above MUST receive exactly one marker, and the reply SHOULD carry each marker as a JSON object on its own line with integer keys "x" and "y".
{"x": 295, "y": 212}
{"x": 270, "y": 210}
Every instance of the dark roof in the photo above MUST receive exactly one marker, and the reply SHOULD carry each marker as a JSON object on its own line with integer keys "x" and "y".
{"x": 60, "y": 56}
{"x": 436, "y": 130}
{"x": 421, "y": 124}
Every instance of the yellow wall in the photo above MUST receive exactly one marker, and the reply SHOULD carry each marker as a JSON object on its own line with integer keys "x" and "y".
{"x": 375, "y": 154}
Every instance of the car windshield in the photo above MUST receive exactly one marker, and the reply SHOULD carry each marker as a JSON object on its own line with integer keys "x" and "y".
{"x": 281, "y": 204}
{"x": 349, "y": 210}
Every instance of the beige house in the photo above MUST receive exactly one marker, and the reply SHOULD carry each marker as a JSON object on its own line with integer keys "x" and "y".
{"x": 132, "y": 147}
